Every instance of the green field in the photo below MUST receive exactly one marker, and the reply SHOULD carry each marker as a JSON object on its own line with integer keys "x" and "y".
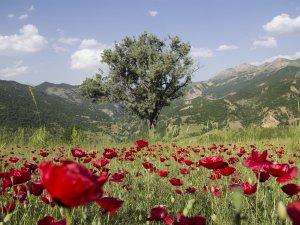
{"x": 211, "y": 199}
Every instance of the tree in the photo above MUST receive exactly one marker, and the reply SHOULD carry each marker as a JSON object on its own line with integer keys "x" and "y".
{"x": 145, "y": 75}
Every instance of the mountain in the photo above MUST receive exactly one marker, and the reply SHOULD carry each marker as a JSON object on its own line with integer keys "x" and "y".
{"x": 25, "y": 106}
{"x": 265, "y": 95}
{"x": 246, "y": 95}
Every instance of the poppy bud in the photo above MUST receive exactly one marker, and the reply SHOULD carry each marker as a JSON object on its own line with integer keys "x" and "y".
{"x": 281, "y": 210}
{"x": 237, "y": 200}
{"x": 214, "y": 217}
{"x": 188, "y": 207}
{"x": 172, "y": 199}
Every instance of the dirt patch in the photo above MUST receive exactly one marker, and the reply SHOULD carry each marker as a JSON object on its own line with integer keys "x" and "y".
{"x": 235, "y": 124}
{"x": 270, "y": 120}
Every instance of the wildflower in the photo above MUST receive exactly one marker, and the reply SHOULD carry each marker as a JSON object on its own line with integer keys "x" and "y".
{"x": 71, "y": 184}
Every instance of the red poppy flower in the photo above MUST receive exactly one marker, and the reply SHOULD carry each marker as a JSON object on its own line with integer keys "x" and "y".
{"x": 176, "y": 182}
{"x": 117, "y": 177}
{"x": 283, "y": 172}
{"x": 20, "y": 176}
{"x": 20, "y": 193}
{"x": 8, "y": 208}
{"x": 232, "y": 160}
{"x": 177, "y": 191}
{"x": 44, "y": 154}
{"x": 36, "y": 188}
{"x": 188, "y": 162}
{"x": 109, "y": 153}
{"x": 13, "y": 159}
{"x": 6, "y": 183}
{"x": 160, "y": 214}
{"x": 246, "y": 187}
{"x": 279, "y": 169}
{"x": 109, "y": 204}
{"x": 163, "y": 173}
{"x": 147, "y": 165}
{"x": 71, "y": 184}
{"x": 30, "y": 166}
{"x": 259, "y": 157}
{"x": 5, "y": 175}
{"x": 293, "y": 210}
{"x": 291, "y": 162}
{"x": 87, "y": 160}
{"x": 141, "y": 143}
{"x": 262, "y": 175}
{"x": 49, "y": 220}
{"x": 227, "y": 171}
{"x": 196, "y": 220}
{"x": 98, "y": 163}
{"x": 184, "y": 171}
{"x": 257, "y": 161}
{"x": 290, "y": 175}
{"x": 162, "y": 159}
{"x": 47, "y": 200}
{"x": 215, "y": 191}
{"x": 291, "y": 189}
{"x": 190, "y": 190}
{"x": 213, "y": 162}
{"x": 77, "y": 152}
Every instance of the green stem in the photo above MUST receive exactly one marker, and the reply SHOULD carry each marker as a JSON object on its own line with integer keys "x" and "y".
{"x": 108, "y": 218}
{"x": 256, "y": 201}
{"x": 68, "y": 216}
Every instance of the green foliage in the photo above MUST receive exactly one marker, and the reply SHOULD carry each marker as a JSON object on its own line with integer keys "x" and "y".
{"x": 40, "y": 137}
{"x": 76, "y": 136}
{"x": 145, "y": 75}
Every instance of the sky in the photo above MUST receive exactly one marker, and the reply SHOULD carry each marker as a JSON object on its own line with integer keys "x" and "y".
{"x": 61, "y": 41}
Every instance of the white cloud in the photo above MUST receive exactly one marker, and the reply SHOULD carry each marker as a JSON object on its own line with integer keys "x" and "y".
{"x": 58, "y": 48}
{"x": 88, "y": 55}
{"x": 227, "y": 47}
{"x": 152, "y": 13}
{"x": 269, "y": 42}
{"x": 296, "y": 55}
{"x": 24, "y": 17}
{"x": 85, "y": 59}
{"x": 201, "y": 52}
{"x": 28, "y": 41}
{"x": 283, "y": 24}
{"x": 89, "y": 43}
{"x": 31, "y": 8}
{"x": 17, "y": 69}
{"x": 11, "y": 16}
{"x": 69, "y": 41}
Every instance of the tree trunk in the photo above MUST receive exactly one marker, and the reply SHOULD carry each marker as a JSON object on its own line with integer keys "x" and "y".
{"x": 151, "y": 128}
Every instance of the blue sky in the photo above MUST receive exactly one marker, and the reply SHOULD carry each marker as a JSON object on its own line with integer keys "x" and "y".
{"x": 61, "y": 40}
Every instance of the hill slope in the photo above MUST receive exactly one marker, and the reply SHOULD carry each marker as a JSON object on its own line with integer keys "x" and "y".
{"x": 17, "y": 109}
{"x": 265, "y": 95}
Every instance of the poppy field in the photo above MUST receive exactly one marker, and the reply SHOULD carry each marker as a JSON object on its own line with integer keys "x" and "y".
{"x": 148, "y": 183}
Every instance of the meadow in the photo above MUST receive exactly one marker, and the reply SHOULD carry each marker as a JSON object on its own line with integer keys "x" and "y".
{"x": 222, "y": 177}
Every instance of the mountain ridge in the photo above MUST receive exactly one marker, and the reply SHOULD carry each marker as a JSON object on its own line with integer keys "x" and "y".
{"x": 265, "y": 95}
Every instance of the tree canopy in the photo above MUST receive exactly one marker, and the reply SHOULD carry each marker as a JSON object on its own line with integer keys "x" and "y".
{"x": 145, "y": 75}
